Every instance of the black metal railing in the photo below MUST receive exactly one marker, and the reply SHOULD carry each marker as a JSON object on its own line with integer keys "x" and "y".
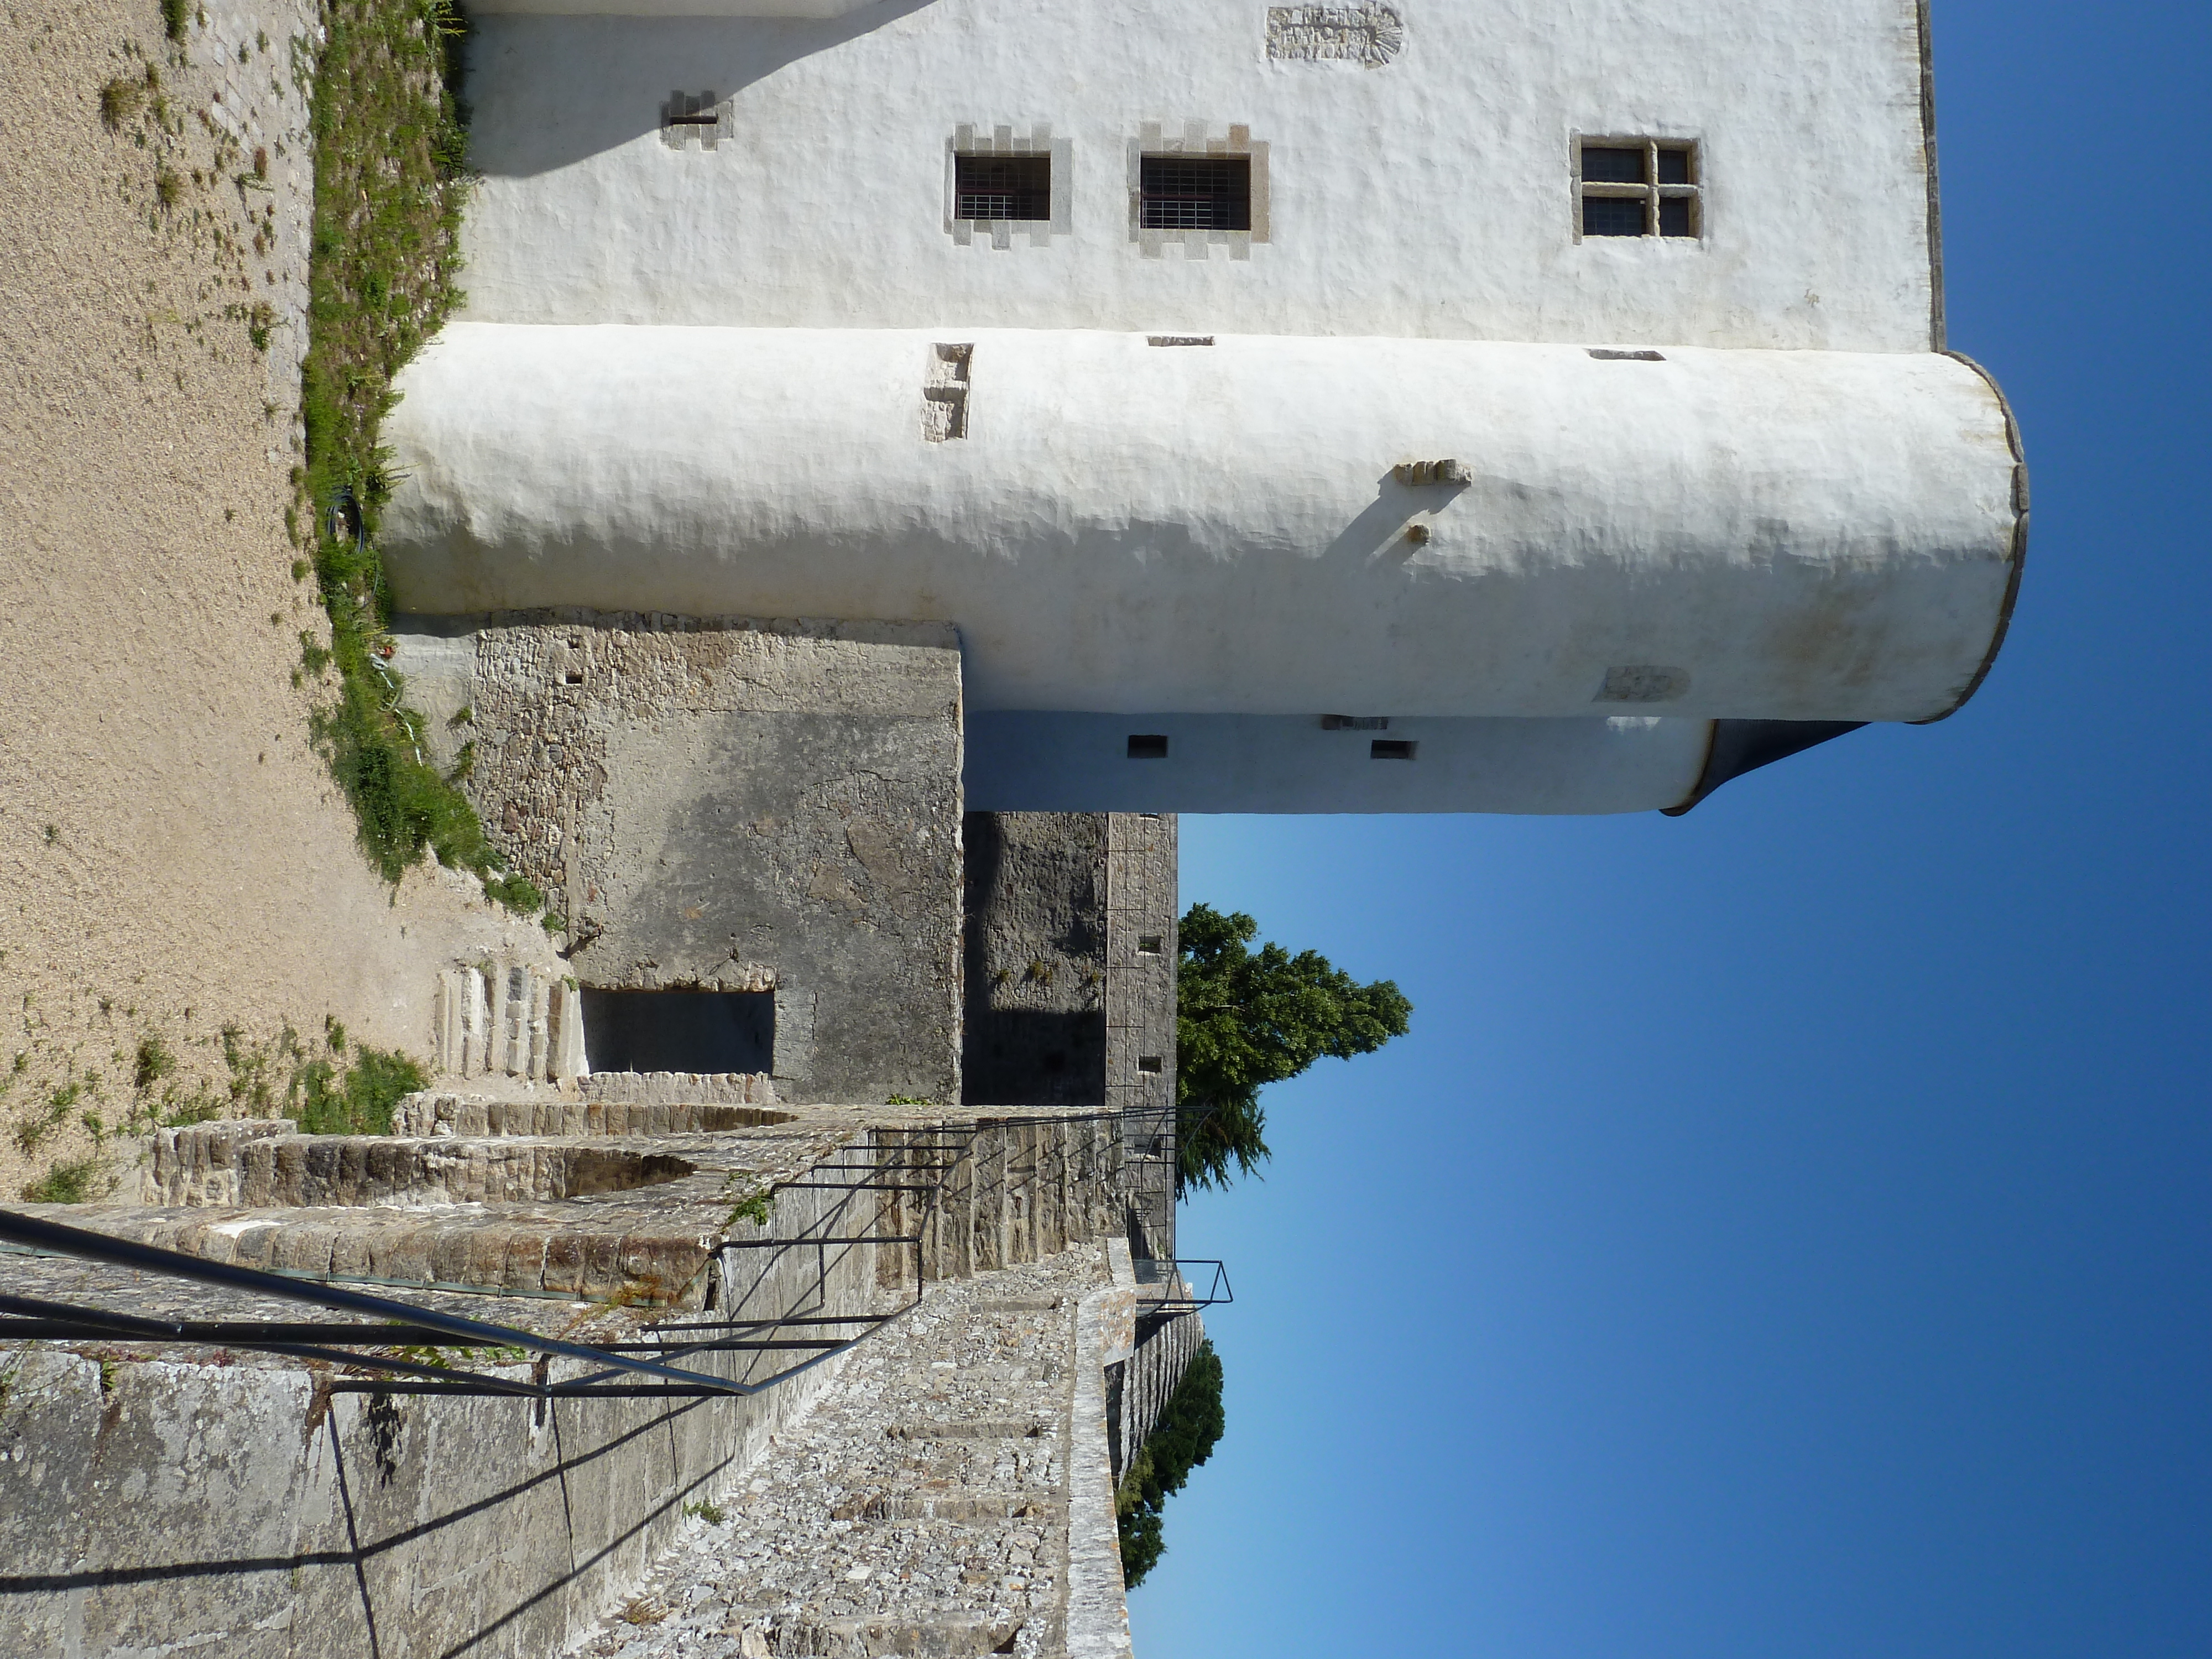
{"x": 624, "y": 1368}
{"x": 1165, "y": 1288}
{"x": 619, "y": 1370}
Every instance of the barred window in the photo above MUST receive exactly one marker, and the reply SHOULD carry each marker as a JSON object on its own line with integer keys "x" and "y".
{"x": 987, "y": 187}
{"x": 1195, "y": 193}
{"x": 1637, "y": 187}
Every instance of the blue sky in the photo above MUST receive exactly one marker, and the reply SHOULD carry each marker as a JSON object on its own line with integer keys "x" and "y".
{"x": 1785, "y": 1231}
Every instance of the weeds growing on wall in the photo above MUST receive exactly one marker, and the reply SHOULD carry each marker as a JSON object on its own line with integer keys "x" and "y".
{"x": 312, "y": 1084}
{"x": 333, "y": 1099}
{"x": 1190, "y": 1425}
{"x": 391, "y": 176}
{"x": 79, "y": 1180}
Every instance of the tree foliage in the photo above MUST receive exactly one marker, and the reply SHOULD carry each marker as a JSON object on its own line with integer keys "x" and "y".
{"x": 1245, "y": 1018}
{"x": 1190, "y": 1423}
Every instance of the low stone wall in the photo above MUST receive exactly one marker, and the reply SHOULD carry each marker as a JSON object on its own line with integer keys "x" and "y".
{"x": 174, "y": 1499}
{"x": 1149, "y": 1378}
{"x": 220, "y": 1504}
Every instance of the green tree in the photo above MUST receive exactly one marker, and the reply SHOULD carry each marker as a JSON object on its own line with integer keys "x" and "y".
{"x": 1245, "y": 1018}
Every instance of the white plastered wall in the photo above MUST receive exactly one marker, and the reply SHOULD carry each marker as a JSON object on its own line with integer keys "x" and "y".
{"x": 1046, "y": 761}
{"x": 1430, "y": 196}
{"x": 1747, "y": 534}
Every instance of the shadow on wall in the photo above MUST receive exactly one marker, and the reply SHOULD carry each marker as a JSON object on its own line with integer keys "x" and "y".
{"x": 1035, "y": 1057}
{"x": 686, "y": 1031}
{"x": 550, "y": 91}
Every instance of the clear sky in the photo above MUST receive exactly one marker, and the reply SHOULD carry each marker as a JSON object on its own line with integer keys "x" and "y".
{"x": 1787, "y": 1229}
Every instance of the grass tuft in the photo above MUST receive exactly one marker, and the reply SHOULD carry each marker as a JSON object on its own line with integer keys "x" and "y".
{"x": 121, "y": 98}
{"x": 391, "y": 178}
{"x": 175, "y": 13}
{"x": 154, "y": 1062}
{"x": 77, "y": 1181}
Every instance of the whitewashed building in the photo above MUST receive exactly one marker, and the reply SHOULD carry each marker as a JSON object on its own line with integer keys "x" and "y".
{"x": 1438, "y": 405}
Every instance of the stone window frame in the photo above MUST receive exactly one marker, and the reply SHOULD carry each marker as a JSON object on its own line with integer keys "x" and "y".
{"x": 1196, "y": 138}
{"x": 1651, "y": 190}
{"x": 681, "y": 126}
{"x": 979, "y": 138}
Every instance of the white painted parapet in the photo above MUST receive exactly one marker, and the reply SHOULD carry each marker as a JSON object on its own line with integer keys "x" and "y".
{"x": 1218, "y": 529}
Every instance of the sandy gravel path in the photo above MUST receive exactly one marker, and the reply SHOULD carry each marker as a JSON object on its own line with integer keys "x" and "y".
{"x": 174, "y": 859}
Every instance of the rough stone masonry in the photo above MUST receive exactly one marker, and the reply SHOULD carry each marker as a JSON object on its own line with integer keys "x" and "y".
{"x": 730, "y": 805}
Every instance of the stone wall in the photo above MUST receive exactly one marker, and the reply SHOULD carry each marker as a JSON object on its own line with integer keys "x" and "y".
{"x": 258, "y": 1506}
{"x": 1070, "y": 956}
{"x": 1036, "y": 953}
{"x": 1140, "y": 1390}
{"x": 724, "y": 804}
{"x": 1142, "y": 911}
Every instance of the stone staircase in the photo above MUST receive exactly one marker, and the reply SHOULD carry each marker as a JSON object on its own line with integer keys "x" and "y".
{"x": 920, "y": 1507}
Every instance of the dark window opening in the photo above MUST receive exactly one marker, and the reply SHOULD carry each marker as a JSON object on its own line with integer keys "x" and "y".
{"x": 573, "y": 677}
{"x": 1194, "y": 192}
{"x": 1148, "y": 1062}
{"x": 1179, "y": 339}
{"x": 1604, "y": 164}
{"x": 1605, "y": 215}
{"x": 1147, "y": 746}
{"x": 1148, "y": 945}
{"x": 1390, "y": 749}
{"x": 987, "y": 187}
{"x": 692, "y": 110}
{"x": 1355, "y": 722}
{"x": 679, "y": 1030}
{"x": 1639, "y": 187}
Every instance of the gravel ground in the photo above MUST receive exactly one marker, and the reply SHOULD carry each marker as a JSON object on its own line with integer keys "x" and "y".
{"x": 173, "y": 857}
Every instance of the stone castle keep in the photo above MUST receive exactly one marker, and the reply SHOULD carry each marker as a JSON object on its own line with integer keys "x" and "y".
{"x": 896, "y": 457}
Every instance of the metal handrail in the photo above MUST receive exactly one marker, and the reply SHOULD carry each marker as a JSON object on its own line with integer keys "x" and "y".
{"x": 320, "y": 1340}
{"x": 1170, "y": 1275}
{"x": 405, "y": 1324}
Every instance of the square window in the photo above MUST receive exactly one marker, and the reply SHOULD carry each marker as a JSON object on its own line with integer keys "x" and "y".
{"x": 1148, "y": 945}
{"x": 1147, "y": 746}
{"x": 1390, "y": 749}
{"x": 1148, "y": 1062}
{"x": 1194, "y": 192}
{"x": 1637, "y": 187}
{"x": 1015, "y": 187}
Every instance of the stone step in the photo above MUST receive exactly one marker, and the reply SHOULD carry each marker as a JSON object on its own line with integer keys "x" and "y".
{"x": 947, "y": 1634}
{"x": 979, "y": 1428}
{"x": 971, "y": 1507}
